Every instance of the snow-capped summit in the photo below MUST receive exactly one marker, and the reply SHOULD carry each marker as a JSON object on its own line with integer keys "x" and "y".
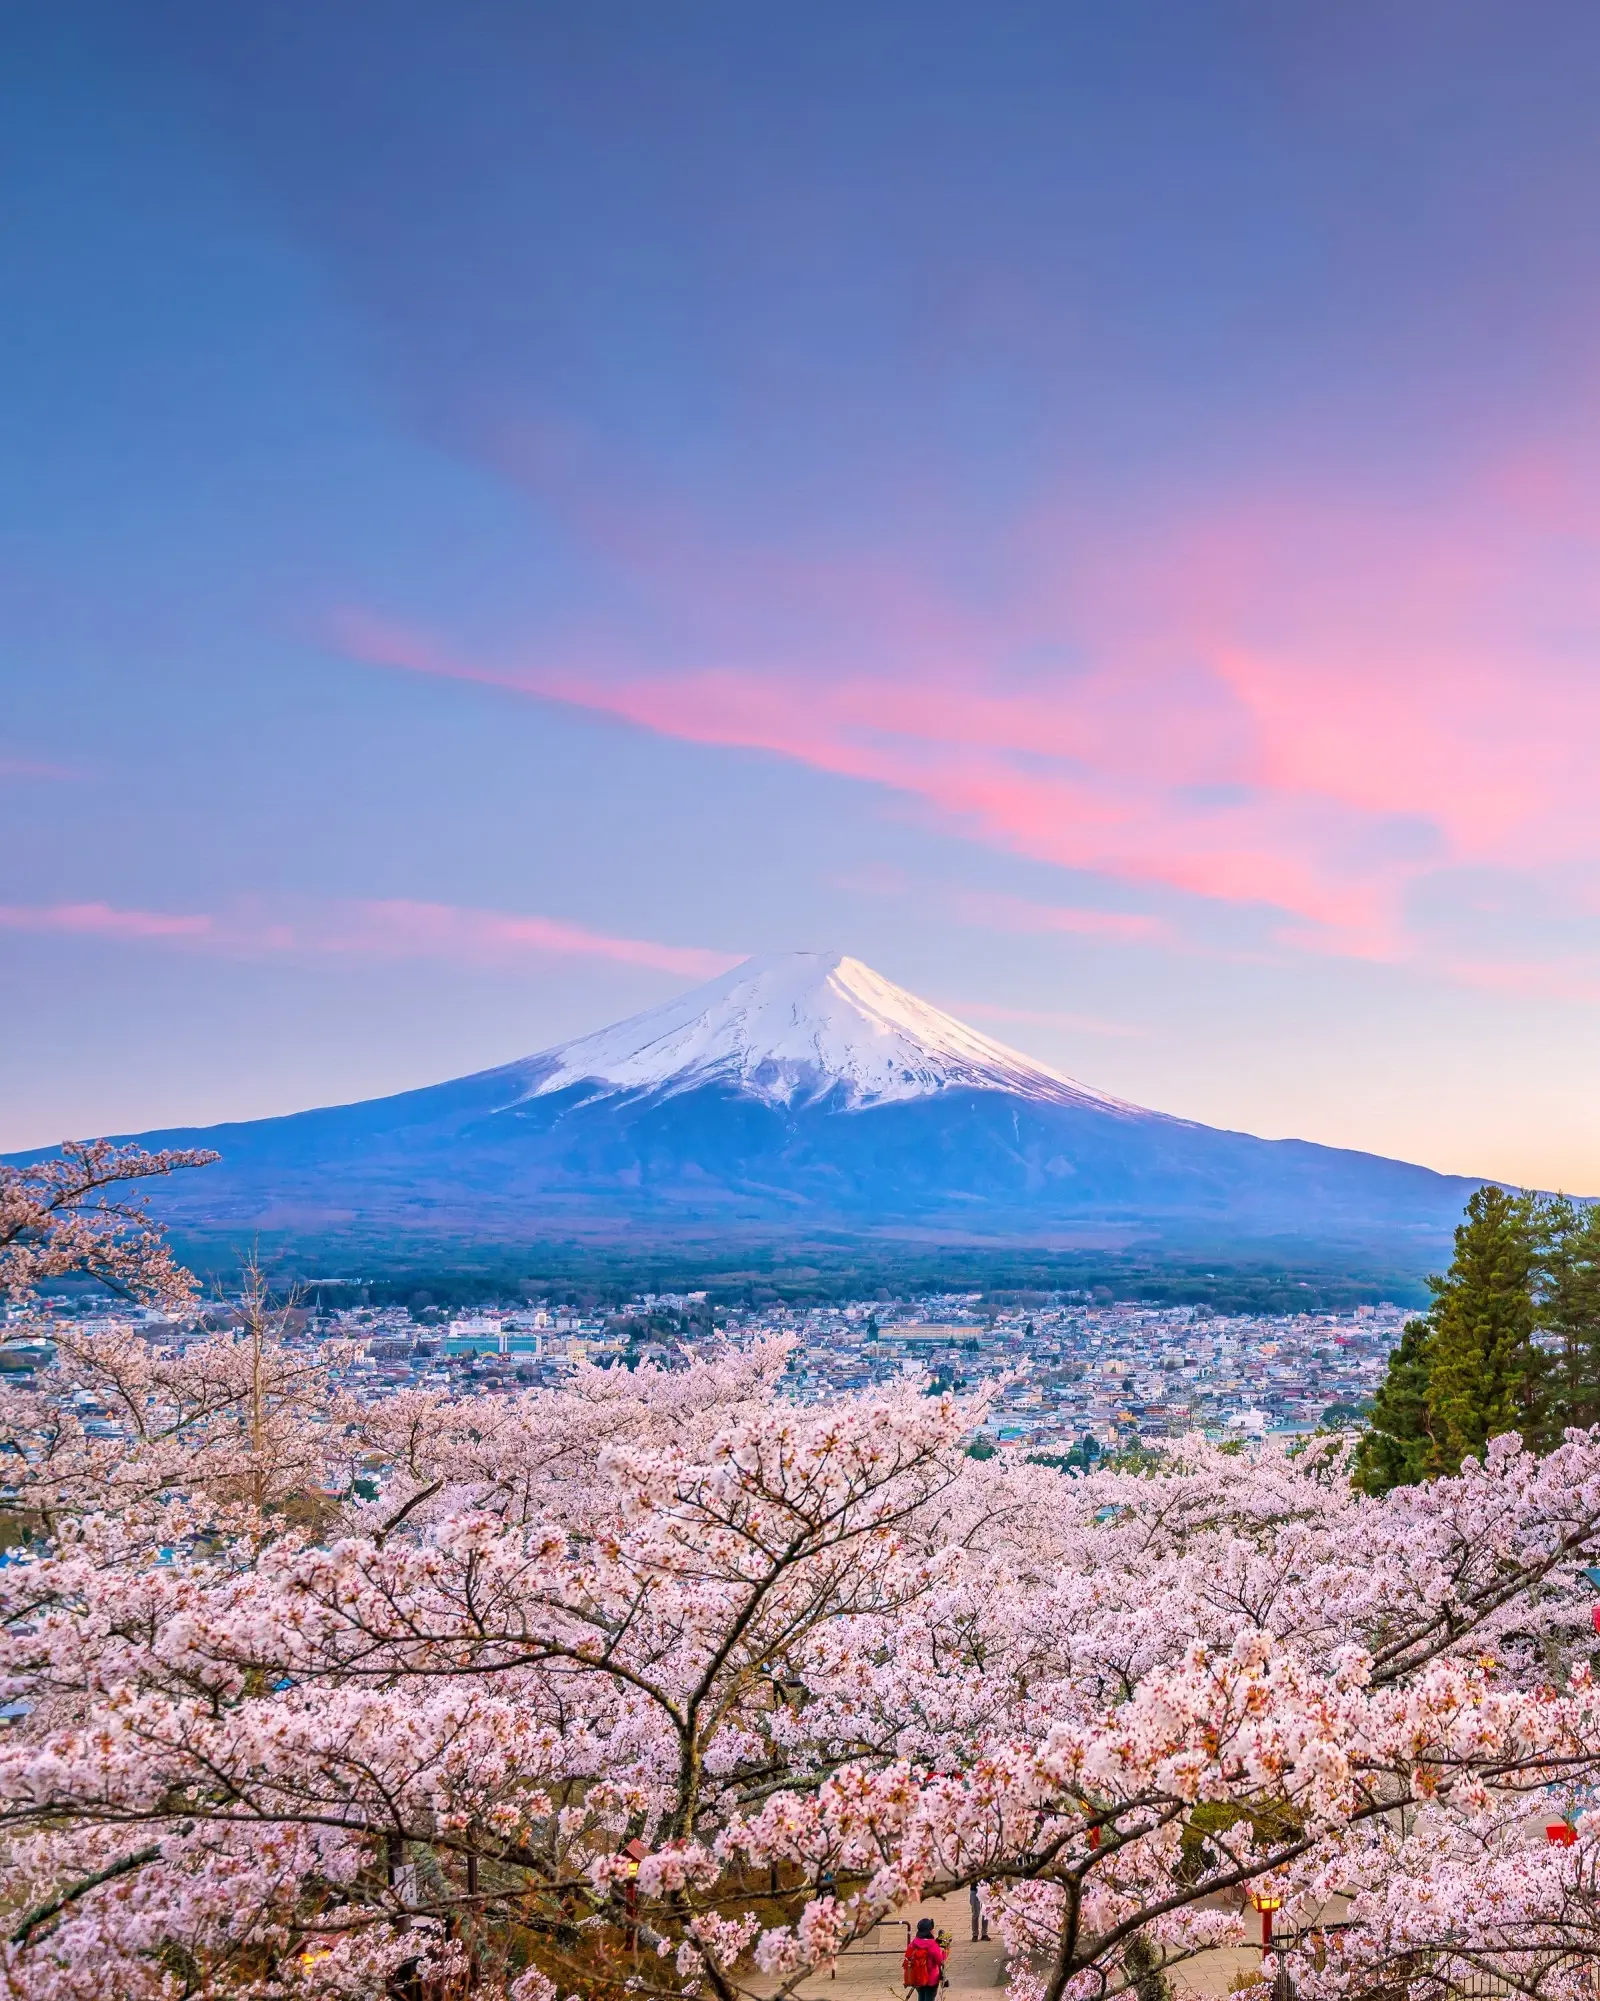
{"x": 795, "y": 1027}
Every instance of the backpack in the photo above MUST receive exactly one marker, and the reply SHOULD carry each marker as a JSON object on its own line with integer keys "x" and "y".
{"x": 921, "y": 1966}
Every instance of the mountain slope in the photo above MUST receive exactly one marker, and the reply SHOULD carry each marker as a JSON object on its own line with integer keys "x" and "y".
{"x": 798, "y": 1094}
{"x": 797, "y": 1027}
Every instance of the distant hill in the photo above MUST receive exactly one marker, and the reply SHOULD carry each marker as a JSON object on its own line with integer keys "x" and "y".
{"x": 799, "y": 1096}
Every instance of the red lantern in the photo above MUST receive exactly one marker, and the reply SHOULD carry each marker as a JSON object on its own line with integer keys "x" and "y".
{"x": 633, "y": 1854}
{"x": 1266, "y": 1903}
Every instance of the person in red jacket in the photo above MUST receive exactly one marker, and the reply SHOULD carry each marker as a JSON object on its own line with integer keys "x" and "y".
{"x": 923, "y": 1965}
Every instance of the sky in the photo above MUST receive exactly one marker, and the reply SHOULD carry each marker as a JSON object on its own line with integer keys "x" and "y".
{"x": 506, "y": 510}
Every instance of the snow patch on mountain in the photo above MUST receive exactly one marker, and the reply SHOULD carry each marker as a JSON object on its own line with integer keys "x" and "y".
{"x": 795, "y": 1027}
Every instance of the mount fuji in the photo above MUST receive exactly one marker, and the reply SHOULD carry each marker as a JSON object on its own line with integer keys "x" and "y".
{"x": 800, "y": 1095}
{"x": 797, "y": 1029}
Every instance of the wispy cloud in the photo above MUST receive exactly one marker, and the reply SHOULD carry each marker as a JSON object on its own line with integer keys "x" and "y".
{"x": 998, "y": 912}
{"x": 404, "y": 929}
{"x": 390, "y": 928}
{"x": 872, "y": 879}
{"x": 102, "y": 920}
{"x": 1082, "y": 1024}
{"x": 14, "y": 765}
{"x": 1302, "y": 699}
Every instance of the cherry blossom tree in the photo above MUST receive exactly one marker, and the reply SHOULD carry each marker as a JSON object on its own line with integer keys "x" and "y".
{"x": 67, "y": 1214}
{"x": 662, "y": 1685}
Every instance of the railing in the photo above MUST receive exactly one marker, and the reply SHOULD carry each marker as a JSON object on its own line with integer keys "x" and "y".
{"x": 1469, "y": 1984}
{"x": 875, "y": 1951}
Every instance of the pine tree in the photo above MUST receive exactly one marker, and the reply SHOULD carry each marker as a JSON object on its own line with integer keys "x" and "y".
{"x": 1485, "y": 1373}
{"x": 1394, "y": 1449}
{"x": 1569, "y": 1307}
{"x": 1471, "y": 1369}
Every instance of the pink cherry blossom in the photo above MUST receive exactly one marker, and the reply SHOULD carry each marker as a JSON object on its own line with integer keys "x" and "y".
{"x": 57, "y": 1216}
{"x": 660, "y": 1681}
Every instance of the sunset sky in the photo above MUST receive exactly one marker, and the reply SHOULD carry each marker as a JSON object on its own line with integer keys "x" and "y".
{"x": 1095, "y": 510}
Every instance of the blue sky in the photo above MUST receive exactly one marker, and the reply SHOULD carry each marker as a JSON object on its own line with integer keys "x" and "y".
{"x": 504, "y": 510}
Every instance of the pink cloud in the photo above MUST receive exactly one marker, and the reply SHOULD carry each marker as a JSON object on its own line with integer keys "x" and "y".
{"x": 1296, "y": 697}
{"x": 403, "y": 929}
{"x": 974, "y": 759}
{"x": 100, "y": 920}
{"x": 1572, "y": 978}
{"x": 395, "y": 928}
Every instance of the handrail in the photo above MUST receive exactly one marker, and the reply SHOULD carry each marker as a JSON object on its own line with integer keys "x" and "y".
{"x": 873, "y": 1951}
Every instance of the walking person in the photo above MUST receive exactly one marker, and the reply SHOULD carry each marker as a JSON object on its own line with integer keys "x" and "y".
{"x": 980, "y": 1919}
{"x": 923, "y": 1965}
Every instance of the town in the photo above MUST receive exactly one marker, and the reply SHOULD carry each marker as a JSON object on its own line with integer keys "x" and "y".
{"x": 1068, "y": 1377}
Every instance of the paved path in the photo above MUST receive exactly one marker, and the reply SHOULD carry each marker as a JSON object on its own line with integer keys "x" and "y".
{"x": 872, "y": 1972}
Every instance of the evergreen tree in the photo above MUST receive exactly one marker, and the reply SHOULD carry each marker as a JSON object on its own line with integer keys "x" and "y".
{"x": 1394, "y": 1449}
{"x": 1569, "y": 1307}
{"x": 1471, "y": 1369}
{"x": 1485, "y": 1373}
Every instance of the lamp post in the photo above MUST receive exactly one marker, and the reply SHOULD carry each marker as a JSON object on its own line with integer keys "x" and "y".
{"x": 630, "y": 1892}
{"x": 1267, "y": 1903}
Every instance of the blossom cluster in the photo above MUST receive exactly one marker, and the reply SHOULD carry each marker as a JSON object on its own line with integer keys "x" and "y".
{"x": 69, "y": 1214}
{"x": 661, "y": 1681}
